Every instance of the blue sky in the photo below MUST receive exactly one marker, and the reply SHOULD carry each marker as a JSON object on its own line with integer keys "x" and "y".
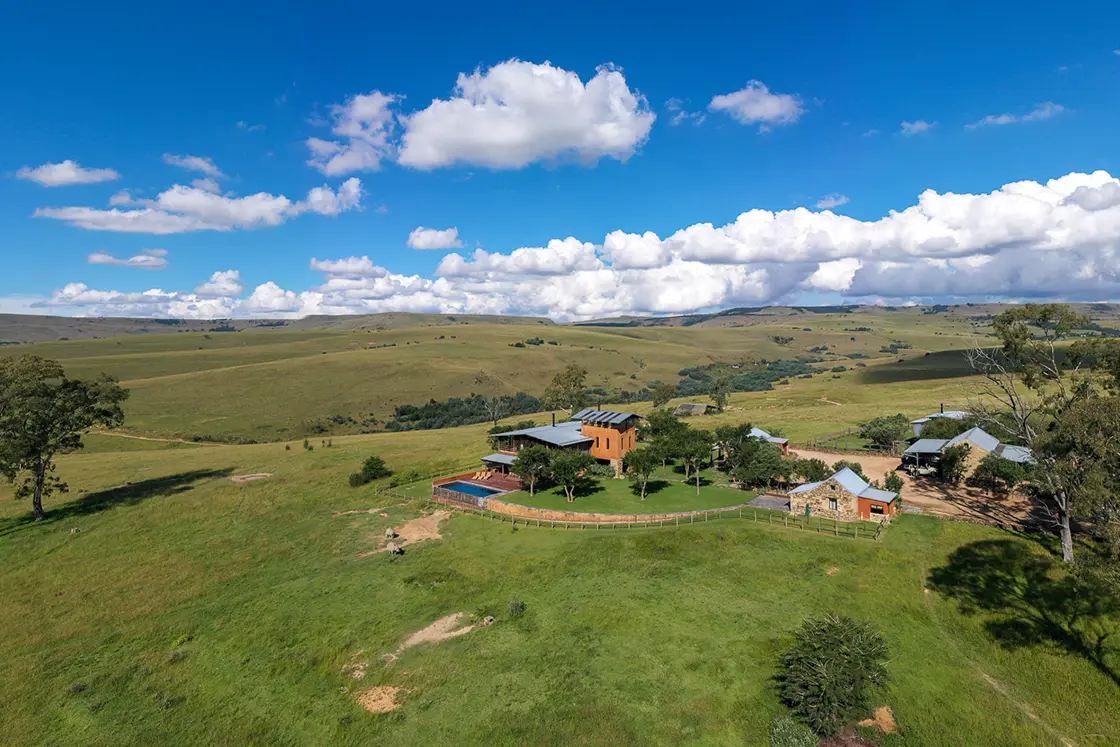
{"x": 128, "y": 87}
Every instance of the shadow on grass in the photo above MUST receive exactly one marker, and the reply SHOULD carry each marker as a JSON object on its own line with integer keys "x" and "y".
{"x": 584, "y": 488}
{"x": 1030, "y": 601}
{"x": 129, "y": 494}
{"x": 652, "y": 487}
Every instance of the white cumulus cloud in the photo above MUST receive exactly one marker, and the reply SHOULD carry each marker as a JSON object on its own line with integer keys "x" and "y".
{"x": 363, "y": 126}
{"x": 181, "y": 209}
{"x": 432, "y": 238}
{"x": 65, "y": 173}
{"x": 517, "y": 113}
{"x": 756, "y": 104}
{"x": 222, "y": 283}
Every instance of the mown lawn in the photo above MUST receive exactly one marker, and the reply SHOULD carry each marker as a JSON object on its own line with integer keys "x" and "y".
{"x": 658, "y": 636}
{"x": 666, "y": 492}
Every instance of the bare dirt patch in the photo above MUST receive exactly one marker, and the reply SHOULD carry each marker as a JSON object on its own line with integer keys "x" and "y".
{"x": 441, "y": 630}
{"x": 883, "y": 720}
{"x": 832, "y": 570}
{"x": 381, "y": 699}
{"x": 411, "y": 532}
{"x": 250, "y": 478}
{"x": 961, "y": 502}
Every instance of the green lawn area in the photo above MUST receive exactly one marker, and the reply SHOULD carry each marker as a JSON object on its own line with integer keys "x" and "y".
{"x": 186, "y": 609}
{"x": 665, "y": 494}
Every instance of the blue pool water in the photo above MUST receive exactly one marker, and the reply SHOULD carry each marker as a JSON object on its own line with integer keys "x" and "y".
{"x": 469, "y": 488}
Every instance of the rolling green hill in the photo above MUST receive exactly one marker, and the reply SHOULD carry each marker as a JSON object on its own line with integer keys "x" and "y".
{"x": 278, "y": 383}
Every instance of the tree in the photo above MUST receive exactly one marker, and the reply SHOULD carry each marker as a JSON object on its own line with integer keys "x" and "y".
{"x": 567, "y": 391}
{"x": 719, "y": 389}
{"x": 853, "y": 466}
{"x": 951, "y": 465}
{"x": 640, "y": 464}
{"x": 946, "y": 428}
{"x": 884, "y": 431}
{"x": 759, "y": 462}
{"x": 373, "y": 468}
{"x": 662, "y": 393}
{"x": 532, "y": 464}
{"x": 695, "y": 452}
{"x": 496, "y": 408}
{"x": 660, "y": 423}
{"x": 568, "y": 469}
{"x": 42, "y": 415}
{"x": 812, "y": 470}
{"x": 1028, "y": 385}
{"x": 832, "y": 671}
{"x": 997, "y": 472}
{"x": 893, "y": 482}
{"x": 730, "y": 438}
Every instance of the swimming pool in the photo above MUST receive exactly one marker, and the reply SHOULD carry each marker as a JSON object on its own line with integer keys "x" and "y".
{"x": 469, "y": 488}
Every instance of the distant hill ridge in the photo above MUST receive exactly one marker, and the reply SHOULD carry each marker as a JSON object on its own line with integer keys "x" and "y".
{"x": 24, "y": 328}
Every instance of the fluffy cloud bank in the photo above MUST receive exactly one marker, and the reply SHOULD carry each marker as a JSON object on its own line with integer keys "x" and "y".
{"x": 181, "y": 209}
{"x": 507, "y": 117}
{"x": 1057, "y": 239}
{"x": 431, "y": 238}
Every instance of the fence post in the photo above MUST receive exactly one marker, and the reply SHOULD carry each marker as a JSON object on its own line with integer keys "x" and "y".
{"x": 836, "y": 527}
{"x": 785, "y": 520}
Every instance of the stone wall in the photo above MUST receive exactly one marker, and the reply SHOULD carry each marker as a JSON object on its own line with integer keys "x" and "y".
{"x": 818, "y": 498}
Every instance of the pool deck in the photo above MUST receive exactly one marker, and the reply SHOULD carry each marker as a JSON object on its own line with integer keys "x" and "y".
{"x": 494, "y": 481}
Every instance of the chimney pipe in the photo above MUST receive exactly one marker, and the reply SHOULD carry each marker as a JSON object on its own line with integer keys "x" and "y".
{"x": 553, "y": 420}
{"x": 943, "y": 407}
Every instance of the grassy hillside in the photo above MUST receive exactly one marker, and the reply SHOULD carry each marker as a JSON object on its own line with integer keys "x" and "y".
{"x": 282, "y": 383}
{"x": 165, "y": 604}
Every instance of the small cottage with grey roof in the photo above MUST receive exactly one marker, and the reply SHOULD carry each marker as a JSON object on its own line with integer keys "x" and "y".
{"x": 685, "y": 409}
{"x": 844, "y": 496}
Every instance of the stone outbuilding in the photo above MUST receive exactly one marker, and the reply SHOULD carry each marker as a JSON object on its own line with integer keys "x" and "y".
{"x": 844, "y": 496}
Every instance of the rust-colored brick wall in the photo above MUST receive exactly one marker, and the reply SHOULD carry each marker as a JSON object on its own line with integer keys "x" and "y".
{"x": 610, "y": 443}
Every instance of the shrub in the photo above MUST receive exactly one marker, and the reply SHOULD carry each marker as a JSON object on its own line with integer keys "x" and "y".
{"x": 516, "y": 607}
{"x": 830, "y": 674}
{"x": 404, "y": 478}
{"x": 853, "y": 466}
{"x": 306, "y": 445}
{"x": 785, "y": 732}
{"x": 287, "y": 447}
{"x": 372, "y": 469}
{"x": 600, "y": 470}
{"x": 356, "y": 480}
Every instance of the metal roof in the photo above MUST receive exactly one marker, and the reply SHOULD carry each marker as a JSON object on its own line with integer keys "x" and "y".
{"x": 691, "y": 408}
{"x": 926, "y": 446}
{"x": 852, "y": 483}
{"x": 977, "y": 436}
{"x": 759, "y": 433}
{"x": 507, "y": 459}
{"x": 592, "y": 416}
{"x": 954, "y": 414}
{"x": 567, "y": 433}
{"x": 1020, "y": 454}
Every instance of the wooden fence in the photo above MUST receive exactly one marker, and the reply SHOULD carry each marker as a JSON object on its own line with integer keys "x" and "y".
{"x": 818, "y": 525}
{"x": 848, "y": 440}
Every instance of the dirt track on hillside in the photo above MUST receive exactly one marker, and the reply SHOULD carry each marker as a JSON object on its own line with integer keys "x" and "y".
{"x": 962, "y": 502}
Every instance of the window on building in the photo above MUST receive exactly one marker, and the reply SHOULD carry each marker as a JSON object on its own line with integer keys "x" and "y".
{"x": 877, "y": 508}
{"x": 833, "y": 504}
{"x": 596, "y": 442}
{"x": 608, "y": 444}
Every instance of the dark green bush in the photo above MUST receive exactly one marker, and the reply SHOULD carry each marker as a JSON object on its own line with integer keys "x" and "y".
{"x": 516, "y": 607}
{"x": 831, "y": 673}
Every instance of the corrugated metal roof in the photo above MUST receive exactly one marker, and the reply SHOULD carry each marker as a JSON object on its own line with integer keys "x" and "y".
{"x": 852, "y": 483}
{"x": 759, "y": 433}
{"x": 978, "y": 436}
{"x": 1020, "y": 454}
{"x": 954, "y": 414}
{"x": 507, "y": 459}
{"x": 926, "y": 446}
{"x": 567, "y": 433}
